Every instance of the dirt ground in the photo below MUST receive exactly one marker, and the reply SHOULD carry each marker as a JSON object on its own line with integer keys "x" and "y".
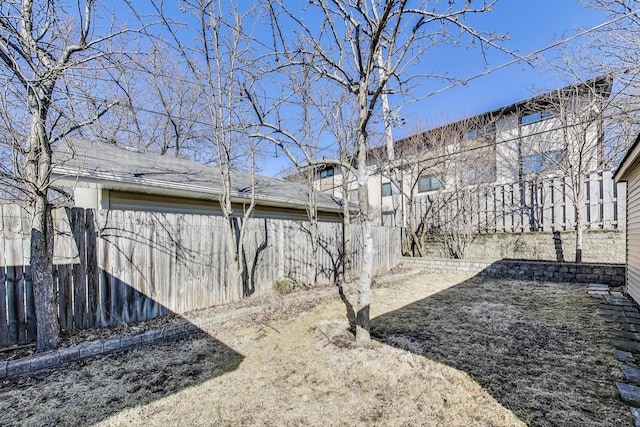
{"x": 449, "y": 350}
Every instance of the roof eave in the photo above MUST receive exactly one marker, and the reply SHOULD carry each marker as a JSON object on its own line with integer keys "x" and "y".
{"x": 630, "y": 162}
{"x": 166, "y": 188}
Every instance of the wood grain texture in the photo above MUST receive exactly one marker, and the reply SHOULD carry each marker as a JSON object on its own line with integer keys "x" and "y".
{"x": 124, "y": 266}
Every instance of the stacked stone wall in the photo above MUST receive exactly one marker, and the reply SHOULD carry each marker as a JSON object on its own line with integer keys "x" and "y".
{"x": 611, "y": 274}
{"x": 598, "y": 245}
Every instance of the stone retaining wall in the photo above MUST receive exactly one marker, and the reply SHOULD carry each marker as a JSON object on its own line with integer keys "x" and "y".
{"x": 611, "y": 274}
{"x": 548, "y": 246}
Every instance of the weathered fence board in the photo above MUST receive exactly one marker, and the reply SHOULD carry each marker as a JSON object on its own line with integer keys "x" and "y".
{"x": 123, "y": 266}
{"x": 93, "y": 275}
{"x": 12, "y": 315}
{"x": 4, "y": 325}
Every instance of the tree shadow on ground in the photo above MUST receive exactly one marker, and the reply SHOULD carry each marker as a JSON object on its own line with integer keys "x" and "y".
{"x": 90, "y": 390}
{"x": 540, "y": 349}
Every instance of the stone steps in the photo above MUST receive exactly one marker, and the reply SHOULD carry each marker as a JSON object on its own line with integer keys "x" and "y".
{"x": 625, "y": 325}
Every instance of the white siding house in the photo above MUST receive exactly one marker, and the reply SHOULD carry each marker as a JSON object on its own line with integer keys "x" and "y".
{"x": 629, "y": 171}
{"x": 515, "y": 144}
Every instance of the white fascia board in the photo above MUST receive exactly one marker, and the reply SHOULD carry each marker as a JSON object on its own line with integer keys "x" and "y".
{"x": 629, "y": 163}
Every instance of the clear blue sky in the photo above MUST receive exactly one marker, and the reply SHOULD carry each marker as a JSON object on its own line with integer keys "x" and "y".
{"x": 529, "y": 25}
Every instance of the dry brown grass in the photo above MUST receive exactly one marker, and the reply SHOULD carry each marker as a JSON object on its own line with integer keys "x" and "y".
{"x": 540, "y": 349}
{"x": 302, "y": 368}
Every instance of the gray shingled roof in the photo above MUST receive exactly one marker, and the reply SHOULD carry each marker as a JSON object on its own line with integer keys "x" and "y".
{"x": 118, "y": 168}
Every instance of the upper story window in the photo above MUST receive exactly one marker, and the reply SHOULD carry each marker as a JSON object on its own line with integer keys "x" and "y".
{"x": 535, "y": 117}
{"x": 388, "y": 218}
{"x": 541, "y": 162}
{"x": 386, "y": 189}
{"x": 428, "y": 183}
{"x": 481, "y": 131}
{"x": 326, "y": 173}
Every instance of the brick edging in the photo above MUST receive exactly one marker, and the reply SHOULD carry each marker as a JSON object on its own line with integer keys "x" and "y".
{"x": 32, "y": 364}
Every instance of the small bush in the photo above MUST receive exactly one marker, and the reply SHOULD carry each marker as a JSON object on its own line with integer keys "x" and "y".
{"x": 282, "y": 287}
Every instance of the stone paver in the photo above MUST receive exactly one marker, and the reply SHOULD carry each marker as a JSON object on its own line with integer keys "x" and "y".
{"x": 624, "y": 321}
{"x": 630, "y": 327}
{"x": 631, "y": 373}
{"x": 630, "y": 321}
{"x": 617, "y": 300}
{"x": 623, "y": 356}
{"x": 636, "y": 416}
{"x": 627, "y": 335}
{"x": 612, "y": 312}
{"x": 627, "y": 345}
{"x": 630, "y": 393}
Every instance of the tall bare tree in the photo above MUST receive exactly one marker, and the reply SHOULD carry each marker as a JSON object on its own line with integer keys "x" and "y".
{"x": 161, "y": 107}
{"x": 220, "y": 61}
{"x": 436, "y": 172}
{"x": 614, "y": 50}
{"x": 44, "y": 48}
{"x": 346, "y": 43}
{"x": 570, "y": 142}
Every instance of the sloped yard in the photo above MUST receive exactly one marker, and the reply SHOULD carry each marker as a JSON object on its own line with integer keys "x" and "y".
{"x": 449, "y": 351}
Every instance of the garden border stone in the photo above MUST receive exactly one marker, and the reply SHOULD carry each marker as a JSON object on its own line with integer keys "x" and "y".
{"x": 35, "y": 363}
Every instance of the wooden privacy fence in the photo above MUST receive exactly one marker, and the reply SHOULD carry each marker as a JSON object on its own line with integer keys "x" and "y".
{"x": 536, "y": 205}
{"x": 112, "y": 267}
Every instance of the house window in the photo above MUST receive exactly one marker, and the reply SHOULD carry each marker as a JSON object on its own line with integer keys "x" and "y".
{"x": 326, "y": 173}
{"x": 478, "y": 132}
{"x": 481, "y": 174}
{"x": 541, "y": 162}
{"x": 535, "y": 117}
{"x": 386, "y": 189}
{"x": 387, "y": 218}
{"x": 428, "y": 183}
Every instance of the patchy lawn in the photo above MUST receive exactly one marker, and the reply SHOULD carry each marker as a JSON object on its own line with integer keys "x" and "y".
{"x": 450, "y": 352}
{"x": 540, "y": 349}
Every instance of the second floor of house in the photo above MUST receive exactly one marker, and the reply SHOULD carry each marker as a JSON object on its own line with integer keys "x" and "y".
{"x": 557, "y": 133}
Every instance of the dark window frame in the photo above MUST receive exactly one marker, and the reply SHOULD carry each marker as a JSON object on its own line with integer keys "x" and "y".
{"x": 535, "y": 117}
{"x": 434, "y": 183}
{"x": 387, "y": 216}
{"x": 386, "y": 189}
{"x": 537, "y": 163}
{"x": 327, "y": 173}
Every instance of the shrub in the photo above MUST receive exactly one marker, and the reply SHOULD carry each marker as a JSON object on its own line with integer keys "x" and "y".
{"x": 282, "y": 287}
